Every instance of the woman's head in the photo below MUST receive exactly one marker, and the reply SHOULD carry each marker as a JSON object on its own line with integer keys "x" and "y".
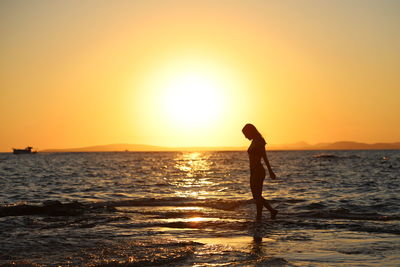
{"x": 250, "y": 131}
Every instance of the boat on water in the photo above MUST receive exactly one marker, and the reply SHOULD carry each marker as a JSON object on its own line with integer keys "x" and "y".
{"x": 26, "y": 150}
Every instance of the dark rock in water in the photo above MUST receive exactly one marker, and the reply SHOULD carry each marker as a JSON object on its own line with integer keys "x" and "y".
{"x": 52, "y": 203}
{"x": 325, "y": 156}
{"x": 50, "y": 208}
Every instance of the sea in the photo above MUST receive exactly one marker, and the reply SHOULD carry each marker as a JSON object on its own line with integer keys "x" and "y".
{"x": 336, "y": 208}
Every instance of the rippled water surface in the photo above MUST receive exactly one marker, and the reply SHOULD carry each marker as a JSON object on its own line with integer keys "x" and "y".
{"x": 195, "y": 209}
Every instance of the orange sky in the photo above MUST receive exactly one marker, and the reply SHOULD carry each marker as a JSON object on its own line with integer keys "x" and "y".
{"x": 192, "y": 73}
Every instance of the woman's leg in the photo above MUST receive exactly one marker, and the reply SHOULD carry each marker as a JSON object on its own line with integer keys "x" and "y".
{"x": 256, "y": 184}
{"x": 259, "y": 206}
{"x": 271, "y": 209}
{"x": 256, "y": 190}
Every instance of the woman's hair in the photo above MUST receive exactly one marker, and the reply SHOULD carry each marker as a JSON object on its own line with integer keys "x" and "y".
{"x": 252, "y": 131}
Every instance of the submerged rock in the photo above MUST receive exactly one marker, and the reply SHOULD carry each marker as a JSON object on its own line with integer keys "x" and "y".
{"x": 325, "y": 156}
{"x": 50, "y": 208}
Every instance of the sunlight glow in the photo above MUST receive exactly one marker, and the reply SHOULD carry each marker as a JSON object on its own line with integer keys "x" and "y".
{"x": 189, "y": 74}
{"x": 192, "y": 98}
{"x": 188, "y": 96}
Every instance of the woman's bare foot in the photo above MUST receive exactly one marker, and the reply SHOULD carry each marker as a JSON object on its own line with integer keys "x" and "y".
{"x": 273, "y": 214}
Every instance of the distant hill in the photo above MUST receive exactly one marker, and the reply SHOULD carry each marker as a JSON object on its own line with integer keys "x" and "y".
{"x": 112, "y": 147}
{"x": 343, "y": 145}
{"x": 133, "y": 147}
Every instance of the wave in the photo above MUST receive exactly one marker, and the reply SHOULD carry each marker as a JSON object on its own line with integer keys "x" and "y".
{"x": 334, "y": 156}
{"x": 150, "y": 252}
{"x": 229, "y": 216}
{"x": 52, "y": 208}
{"x": 56, "y": 208}
{"x": 222, "y": 204}
{"x": 340, "y": 214}
{"x": 317, "y": 210}
{"x": 356, "y": 226}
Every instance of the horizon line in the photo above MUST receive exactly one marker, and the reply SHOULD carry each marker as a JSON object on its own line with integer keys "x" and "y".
{"x": 338, "y": 145}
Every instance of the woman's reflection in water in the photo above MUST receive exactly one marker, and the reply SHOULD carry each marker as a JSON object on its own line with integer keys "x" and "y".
{"x": 256, "y": 248}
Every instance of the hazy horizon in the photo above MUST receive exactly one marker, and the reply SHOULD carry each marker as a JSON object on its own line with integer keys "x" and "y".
{"x": 192, "y": 73}
{"x": 301, "y": 145}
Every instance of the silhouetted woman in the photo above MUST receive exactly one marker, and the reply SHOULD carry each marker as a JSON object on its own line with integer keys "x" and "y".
{"x": 257, "y": 152}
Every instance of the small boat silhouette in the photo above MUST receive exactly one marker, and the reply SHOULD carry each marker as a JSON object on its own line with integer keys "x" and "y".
{"x": 27, "y": 150}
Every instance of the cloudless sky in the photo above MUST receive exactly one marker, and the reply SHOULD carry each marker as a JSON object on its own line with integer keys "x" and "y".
{"x": 192, "y": 73}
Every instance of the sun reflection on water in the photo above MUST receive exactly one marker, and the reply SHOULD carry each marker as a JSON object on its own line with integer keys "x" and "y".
{"x": 196, "y": 219}
{"x": 193, "y": 163}
{"x": 189, "y": 208}
{"x": 193, "y": 169}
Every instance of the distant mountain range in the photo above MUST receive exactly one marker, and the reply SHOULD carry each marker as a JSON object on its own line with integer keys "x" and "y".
{"x": 133, "y": 147}
{"x": 343, "y": 145}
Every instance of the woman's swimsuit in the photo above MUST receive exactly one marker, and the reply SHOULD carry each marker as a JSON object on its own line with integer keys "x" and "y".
{"x": 257, "y": 171}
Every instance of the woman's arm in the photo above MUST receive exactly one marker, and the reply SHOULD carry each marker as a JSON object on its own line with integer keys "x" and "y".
{"x": 271, "y": 172}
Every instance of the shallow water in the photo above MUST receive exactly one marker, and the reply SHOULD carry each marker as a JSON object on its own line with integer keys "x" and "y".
{"x": 195, "y": 209}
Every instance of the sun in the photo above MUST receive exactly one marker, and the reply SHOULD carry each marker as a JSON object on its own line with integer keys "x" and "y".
{"x": 187, "y": 100}
{"x": 193, "y": 98}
